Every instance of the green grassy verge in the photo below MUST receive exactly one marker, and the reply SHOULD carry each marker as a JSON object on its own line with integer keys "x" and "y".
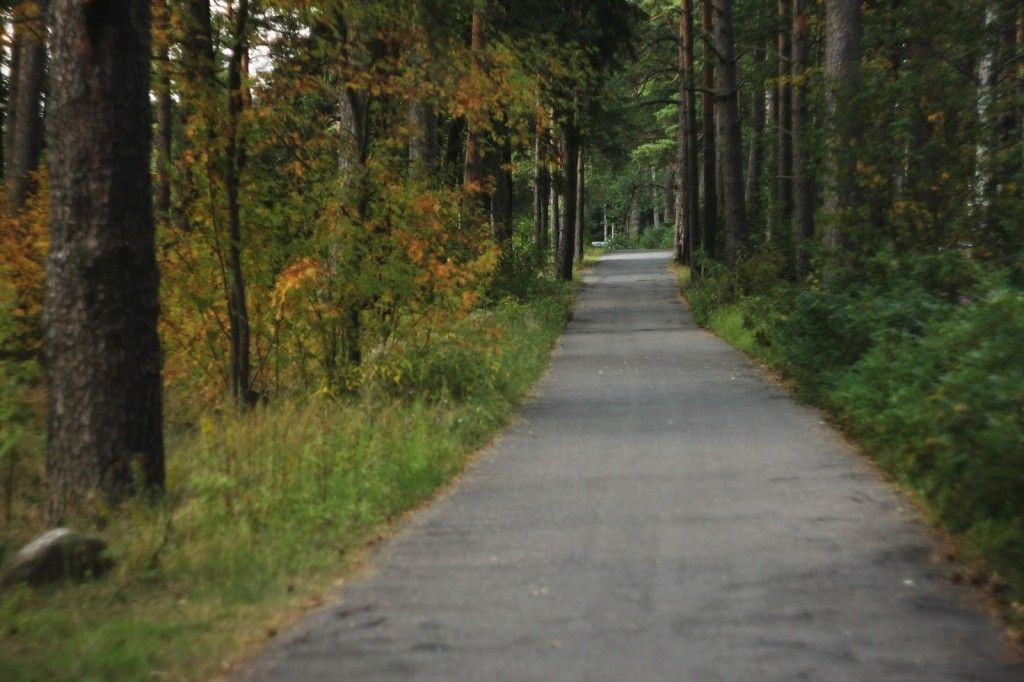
{"x": 266, "y": 511}
{"x": 919, "y": 360}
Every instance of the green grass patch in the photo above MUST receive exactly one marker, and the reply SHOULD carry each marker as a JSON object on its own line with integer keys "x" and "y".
{"x": 265, "y": 511}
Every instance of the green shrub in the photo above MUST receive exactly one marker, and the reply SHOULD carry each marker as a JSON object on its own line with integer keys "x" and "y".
{"x": 16, "y": 375}
{"x": 920, "y": 358}
{"x": 662, "y": 237}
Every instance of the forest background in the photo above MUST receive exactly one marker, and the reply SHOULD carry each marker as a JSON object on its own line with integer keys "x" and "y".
{"x": 367, "y": 216}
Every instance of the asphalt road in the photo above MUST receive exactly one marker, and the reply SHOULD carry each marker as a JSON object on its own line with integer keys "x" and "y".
{"x": 659, "y": 511}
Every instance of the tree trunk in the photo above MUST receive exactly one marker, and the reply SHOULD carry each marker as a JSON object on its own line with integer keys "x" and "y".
{"x": 164, "y": 109}
{"x": 556, "y": 218}
{"x": 238, "y": 309}
{"x": 731, "y": 140}
{"x": 101, "y": 343}
{"x": 541, "y": 192}
{"x": 423, "y": 142}
{"x": 24, "y": 140}
{"x": 668, "y": 194}
{"x": 842, "y": 58}
{"x": 755, "y": 160}
{"x": 803, "y": 208}
{"x": 784, "y": 154}
{"x": 687, "y": 148}
{"x": 710, "y": 172}
{"x": 581, "y": 231}
{"x": 567, "y": 241}
{"x": 454, "y": 151}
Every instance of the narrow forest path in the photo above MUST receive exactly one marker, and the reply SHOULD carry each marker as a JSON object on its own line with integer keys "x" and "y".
{"x": 659, "y": 511}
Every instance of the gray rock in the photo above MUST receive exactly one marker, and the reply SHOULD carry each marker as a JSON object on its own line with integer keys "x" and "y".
{"x": 58, "y": 554}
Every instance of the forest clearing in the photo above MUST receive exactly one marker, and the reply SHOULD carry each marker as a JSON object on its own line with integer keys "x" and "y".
{"x": 346, "y": 339}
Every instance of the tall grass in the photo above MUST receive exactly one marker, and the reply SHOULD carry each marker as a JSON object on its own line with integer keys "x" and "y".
{"x": 266, "y": 510}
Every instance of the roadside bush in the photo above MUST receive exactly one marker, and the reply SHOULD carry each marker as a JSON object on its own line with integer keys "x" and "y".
{"x": 919, "y": 357}
{"x": 662, "y": 237}
{"x": 945, "y": 410}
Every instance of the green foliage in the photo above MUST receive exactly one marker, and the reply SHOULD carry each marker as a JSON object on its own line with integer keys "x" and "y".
{"x": 920, "y": 359}
{"x": 16, "y": 375}
{"x": 662, "y": 237}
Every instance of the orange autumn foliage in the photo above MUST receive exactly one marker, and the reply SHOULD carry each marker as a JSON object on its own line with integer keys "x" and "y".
{"x": 24, "y": 241}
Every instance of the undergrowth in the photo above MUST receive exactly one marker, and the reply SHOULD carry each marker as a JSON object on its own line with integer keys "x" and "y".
{"x": 919, "y": 359}
{"x": 265, "y": 510}
{"x": 662, "y": 237}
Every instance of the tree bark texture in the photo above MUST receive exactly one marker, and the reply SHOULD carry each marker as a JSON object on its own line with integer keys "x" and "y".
{"x": 755, "y": 159}
{"x": 731, "y": 140}
{"x": 689, "y": 239}
{"x": 803, "y": 204}
{"x": 423, "y": 143}
{"x": 842, "y": 59}
{"x": 570, "y": 168}
{"x": 23, "y": 144}
{"x": 101, "y": 345}
{"x": 710, "y": 170}
{"x": 238, "y": 309}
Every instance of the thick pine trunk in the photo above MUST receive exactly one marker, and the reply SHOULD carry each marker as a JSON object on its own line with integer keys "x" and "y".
{"x": 688, "y": 182}
{"x": 238, "y": 309}
{"x": 680, "y": 252}
{"x": 101, "y": 343}
{"x": 423, "y": 142}
{"x": 755, "y": 160}
{"x": 731, "y": 140}
{"x": 803, "y": 197}
{"x": 567, "y": 241}
{"x": 710, "y": 170}
{"x": 842, "y": 58}
{"x": 23, "y": 144}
